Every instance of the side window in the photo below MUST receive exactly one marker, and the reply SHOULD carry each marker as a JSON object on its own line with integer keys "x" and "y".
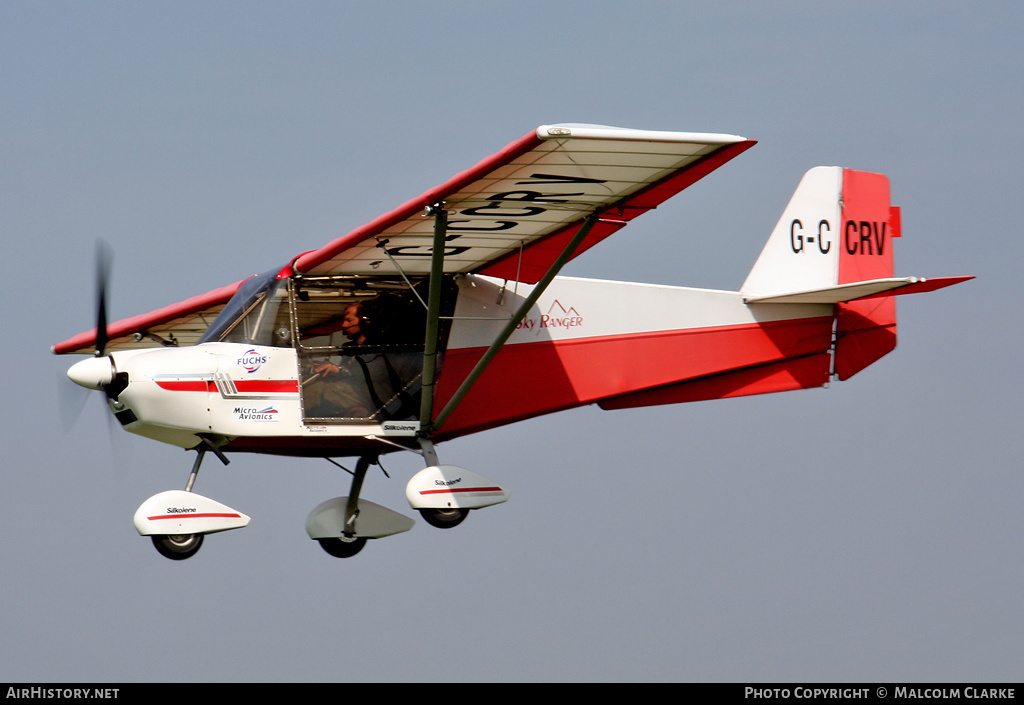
{"x": 360, "y": 349}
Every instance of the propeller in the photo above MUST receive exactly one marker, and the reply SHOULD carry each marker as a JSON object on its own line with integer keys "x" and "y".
{"x": 98, "y": 371}
{"x": 104, "y": 257}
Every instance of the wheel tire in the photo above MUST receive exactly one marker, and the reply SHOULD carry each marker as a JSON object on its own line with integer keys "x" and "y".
{"x": 444, "y": 518}
{"x": 342, "y": 547}
{"x": 178, "y": 547}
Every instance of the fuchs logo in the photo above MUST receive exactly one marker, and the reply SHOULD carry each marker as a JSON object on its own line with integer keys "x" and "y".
{"x": 252, "y": 413}
{"x": 251, "y": 361}
{"x": 558, "y": 316}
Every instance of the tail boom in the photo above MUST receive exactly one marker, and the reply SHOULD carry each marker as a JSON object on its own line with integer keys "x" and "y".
{"x": 819, "y": 304}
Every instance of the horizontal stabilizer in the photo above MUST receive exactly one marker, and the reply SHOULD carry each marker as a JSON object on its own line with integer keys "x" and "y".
{"x": 842, "y": 293}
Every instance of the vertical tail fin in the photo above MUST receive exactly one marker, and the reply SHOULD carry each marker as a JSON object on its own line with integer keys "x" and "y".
{"x": 837, "y": 229}
{"x": 802, "y": 253}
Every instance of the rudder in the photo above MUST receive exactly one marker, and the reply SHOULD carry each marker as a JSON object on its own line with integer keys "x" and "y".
{"x": 865, "y": 329}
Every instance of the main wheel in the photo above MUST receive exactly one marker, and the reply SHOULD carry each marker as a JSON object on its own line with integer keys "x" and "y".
{"x": 444, "y": 518}
{"x": 342, "y": 547}
{"x": 178, "y": 547}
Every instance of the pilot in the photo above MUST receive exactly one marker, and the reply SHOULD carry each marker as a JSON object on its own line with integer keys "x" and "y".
{"x": 361, "y": 385}
{"x": 355, "y": 324}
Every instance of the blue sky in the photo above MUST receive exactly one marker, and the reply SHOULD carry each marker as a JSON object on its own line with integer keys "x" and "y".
{"x": 870, "y": 531}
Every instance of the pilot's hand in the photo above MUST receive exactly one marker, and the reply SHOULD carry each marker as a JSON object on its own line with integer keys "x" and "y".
{"x": 326, "y": 369}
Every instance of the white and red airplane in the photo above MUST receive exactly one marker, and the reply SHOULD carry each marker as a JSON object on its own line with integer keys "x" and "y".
{"x": 445, "y": 317}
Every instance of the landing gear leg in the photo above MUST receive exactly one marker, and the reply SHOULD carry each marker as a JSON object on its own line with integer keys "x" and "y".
{"x": 445, "y": 518}
{"x": 428, "y": 452}
{"x": 178, "y": 547}
{"x": 348, "y": 544}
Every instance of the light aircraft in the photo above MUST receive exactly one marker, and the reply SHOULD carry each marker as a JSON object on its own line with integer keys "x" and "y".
{"x": 445, "y": 317}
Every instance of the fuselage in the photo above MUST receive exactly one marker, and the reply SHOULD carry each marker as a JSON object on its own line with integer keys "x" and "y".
{"x": 585, "y": 341}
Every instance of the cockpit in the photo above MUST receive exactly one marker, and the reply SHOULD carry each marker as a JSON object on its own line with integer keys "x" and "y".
{"x": 359, "y": 339}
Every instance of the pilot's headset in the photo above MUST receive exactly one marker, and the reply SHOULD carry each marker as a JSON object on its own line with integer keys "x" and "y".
{"x": 367, "y": 317}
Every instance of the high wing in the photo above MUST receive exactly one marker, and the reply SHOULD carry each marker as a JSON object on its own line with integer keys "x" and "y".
{"x": 178, "y": 324}
{"x": 510, "y": 216}
{"x": 529, "y": 198}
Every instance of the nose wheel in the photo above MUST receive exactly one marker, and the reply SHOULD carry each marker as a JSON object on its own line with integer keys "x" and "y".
{"x": 177, "y": 520}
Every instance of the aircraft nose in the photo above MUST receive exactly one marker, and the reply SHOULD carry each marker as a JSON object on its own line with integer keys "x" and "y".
{"x": 92, "y": 373}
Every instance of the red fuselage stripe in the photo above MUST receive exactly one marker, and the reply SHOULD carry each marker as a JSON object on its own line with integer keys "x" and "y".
{"x": 267, "y": 385}
{"x": 186, "y": 386}
{"x": 247, "y": 386}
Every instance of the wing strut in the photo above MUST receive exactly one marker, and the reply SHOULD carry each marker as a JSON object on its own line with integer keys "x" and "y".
{"x": 433, "y": 313}
{"x": 556, "y": 266}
